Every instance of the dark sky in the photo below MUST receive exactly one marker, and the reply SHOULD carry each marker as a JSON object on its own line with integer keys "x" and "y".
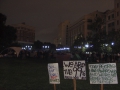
{"x": 45, "y": 15}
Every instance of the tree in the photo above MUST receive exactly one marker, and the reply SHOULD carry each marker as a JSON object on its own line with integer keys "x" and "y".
{"x": 116, "y": 40}
{"x": 7, "y": 33}
{"x": 97, "y": 24}
{"x": 80, "y": 42}
{"x": 52, "y": 47}
{"x": 98, "y": 33}
{"x": 2, "y": 20}
{"x": 37, "y": 45}
{"x": 2, "y": 25}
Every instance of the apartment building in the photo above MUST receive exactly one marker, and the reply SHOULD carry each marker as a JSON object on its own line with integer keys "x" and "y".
{"x": 25, "y": 34}
{"x": 110, "y": 20}
{"x": 69, "y": 32}
{"x": 82, "y": 26}
{"x": 117, "y": 14}
{"x": 62, "y": 37}
{"x": 113, "y": 17}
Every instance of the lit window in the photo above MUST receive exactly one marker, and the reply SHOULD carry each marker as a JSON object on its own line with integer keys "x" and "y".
{"x": 45, "y": 46}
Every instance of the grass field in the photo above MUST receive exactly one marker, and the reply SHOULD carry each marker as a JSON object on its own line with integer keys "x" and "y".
{"x": 31, "y": 74}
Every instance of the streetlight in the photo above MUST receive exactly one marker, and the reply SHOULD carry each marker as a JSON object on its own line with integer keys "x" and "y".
{"x": 86, "y": 45}
{"x": 112, "y": 43}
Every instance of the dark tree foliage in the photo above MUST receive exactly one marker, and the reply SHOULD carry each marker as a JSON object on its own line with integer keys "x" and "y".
{"x": 2, "y": 20}
{"x": 37, "y": 45}
{"x": 97, "y": 24}
{"x": 116, "y": 40}
{"x": 80, "y": 40}
{"x": 52, "y": 47}
{"x": 98, "y": 34}
{"x": 7, "y": 33}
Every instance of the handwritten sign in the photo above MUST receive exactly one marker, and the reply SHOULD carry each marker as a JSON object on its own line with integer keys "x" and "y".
{"x": 103, "y": 73}
{"x": 53, "y": 73}
{"x": 74, "y": 70}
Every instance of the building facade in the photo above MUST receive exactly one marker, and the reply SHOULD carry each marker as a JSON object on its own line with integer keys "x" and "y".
{"x": 25, "y": 34}
{"x": 110, "y": 20}
{"x": 69, "y": 32}
{"x": 113, "y": 17}
{"x": 62, "y": 37}
{"x": 82, "y": 26}
{"x": 117, "y": 14}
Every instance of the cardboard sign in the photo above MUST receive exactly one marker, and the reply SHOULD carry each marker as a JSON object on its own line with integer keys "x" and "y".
{"x": 74, "y": 70}
{"x": 103, "y": 73}
{"x": 53, "y": 73}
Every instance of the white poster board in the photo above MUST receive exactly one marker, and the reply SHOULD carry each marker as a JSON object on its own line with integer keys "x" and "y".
{"x": 74, "y": 70}
{"x": 53, "y": 73}
{"x": 103, "y": 73}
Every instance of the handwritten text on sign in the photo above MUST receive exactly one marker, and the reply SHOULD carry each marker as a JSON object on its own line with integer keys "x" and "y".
{"x": 103, "y": 73}
{"x": 74, "y": 70}
{"x": 53, "y": 73}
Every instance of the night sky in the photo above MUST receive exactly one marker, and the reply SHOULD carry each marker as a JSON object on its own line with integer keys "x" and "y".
{"x": 45, "y": 15}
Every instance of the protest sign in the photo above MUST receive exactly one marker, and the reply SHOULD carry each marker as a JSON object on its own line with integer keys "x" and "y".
{"x": 103, "y": 73}
{"x": 74, "y": 70}
{"x": 53, "y": 73}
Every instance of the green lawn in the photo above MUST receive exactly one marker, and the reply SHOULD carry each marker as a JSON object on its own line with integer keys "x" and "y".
{"x": 19, "y": 74}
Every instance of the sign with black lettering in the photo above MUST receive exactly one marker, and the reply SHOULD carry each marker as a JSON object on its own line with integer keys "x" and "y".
{"x": 53, "y": 73}
{"x": 103, "y": 73}
{"x": 74, "y": 70}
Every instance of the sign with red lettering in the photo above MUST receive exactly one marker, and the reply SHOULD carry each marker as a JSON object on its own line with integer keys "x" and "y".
{"x": 53, "y": 73}
{"x": 74, "y": 70}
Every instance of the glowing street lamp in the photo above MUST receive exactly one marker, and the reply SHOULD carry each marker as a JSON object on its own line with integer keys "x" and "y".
{"x": 86, "y": 45}
{"x": 112, "y": 43}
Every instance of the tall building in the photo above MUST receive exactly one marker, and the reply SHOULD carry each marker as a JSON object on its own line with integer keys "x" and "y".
{"x": 113, "y": 17}
{"x": 69, "y": 32}
{"x": 82, "y": 26}
{"x": 62, "y": 37}
{"x": 110, "y": 17}
{"x": 110, "y": 20}
{"x": 25, "y": 34}
{"x": 117, "y": 14}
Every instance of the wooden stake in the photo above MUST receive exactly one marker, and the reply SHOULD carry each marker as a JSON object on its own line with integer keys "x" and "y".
{"x": 74, "y": 83}
{"x": 101, "y": 86}
{"x": 54, "y": 87}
